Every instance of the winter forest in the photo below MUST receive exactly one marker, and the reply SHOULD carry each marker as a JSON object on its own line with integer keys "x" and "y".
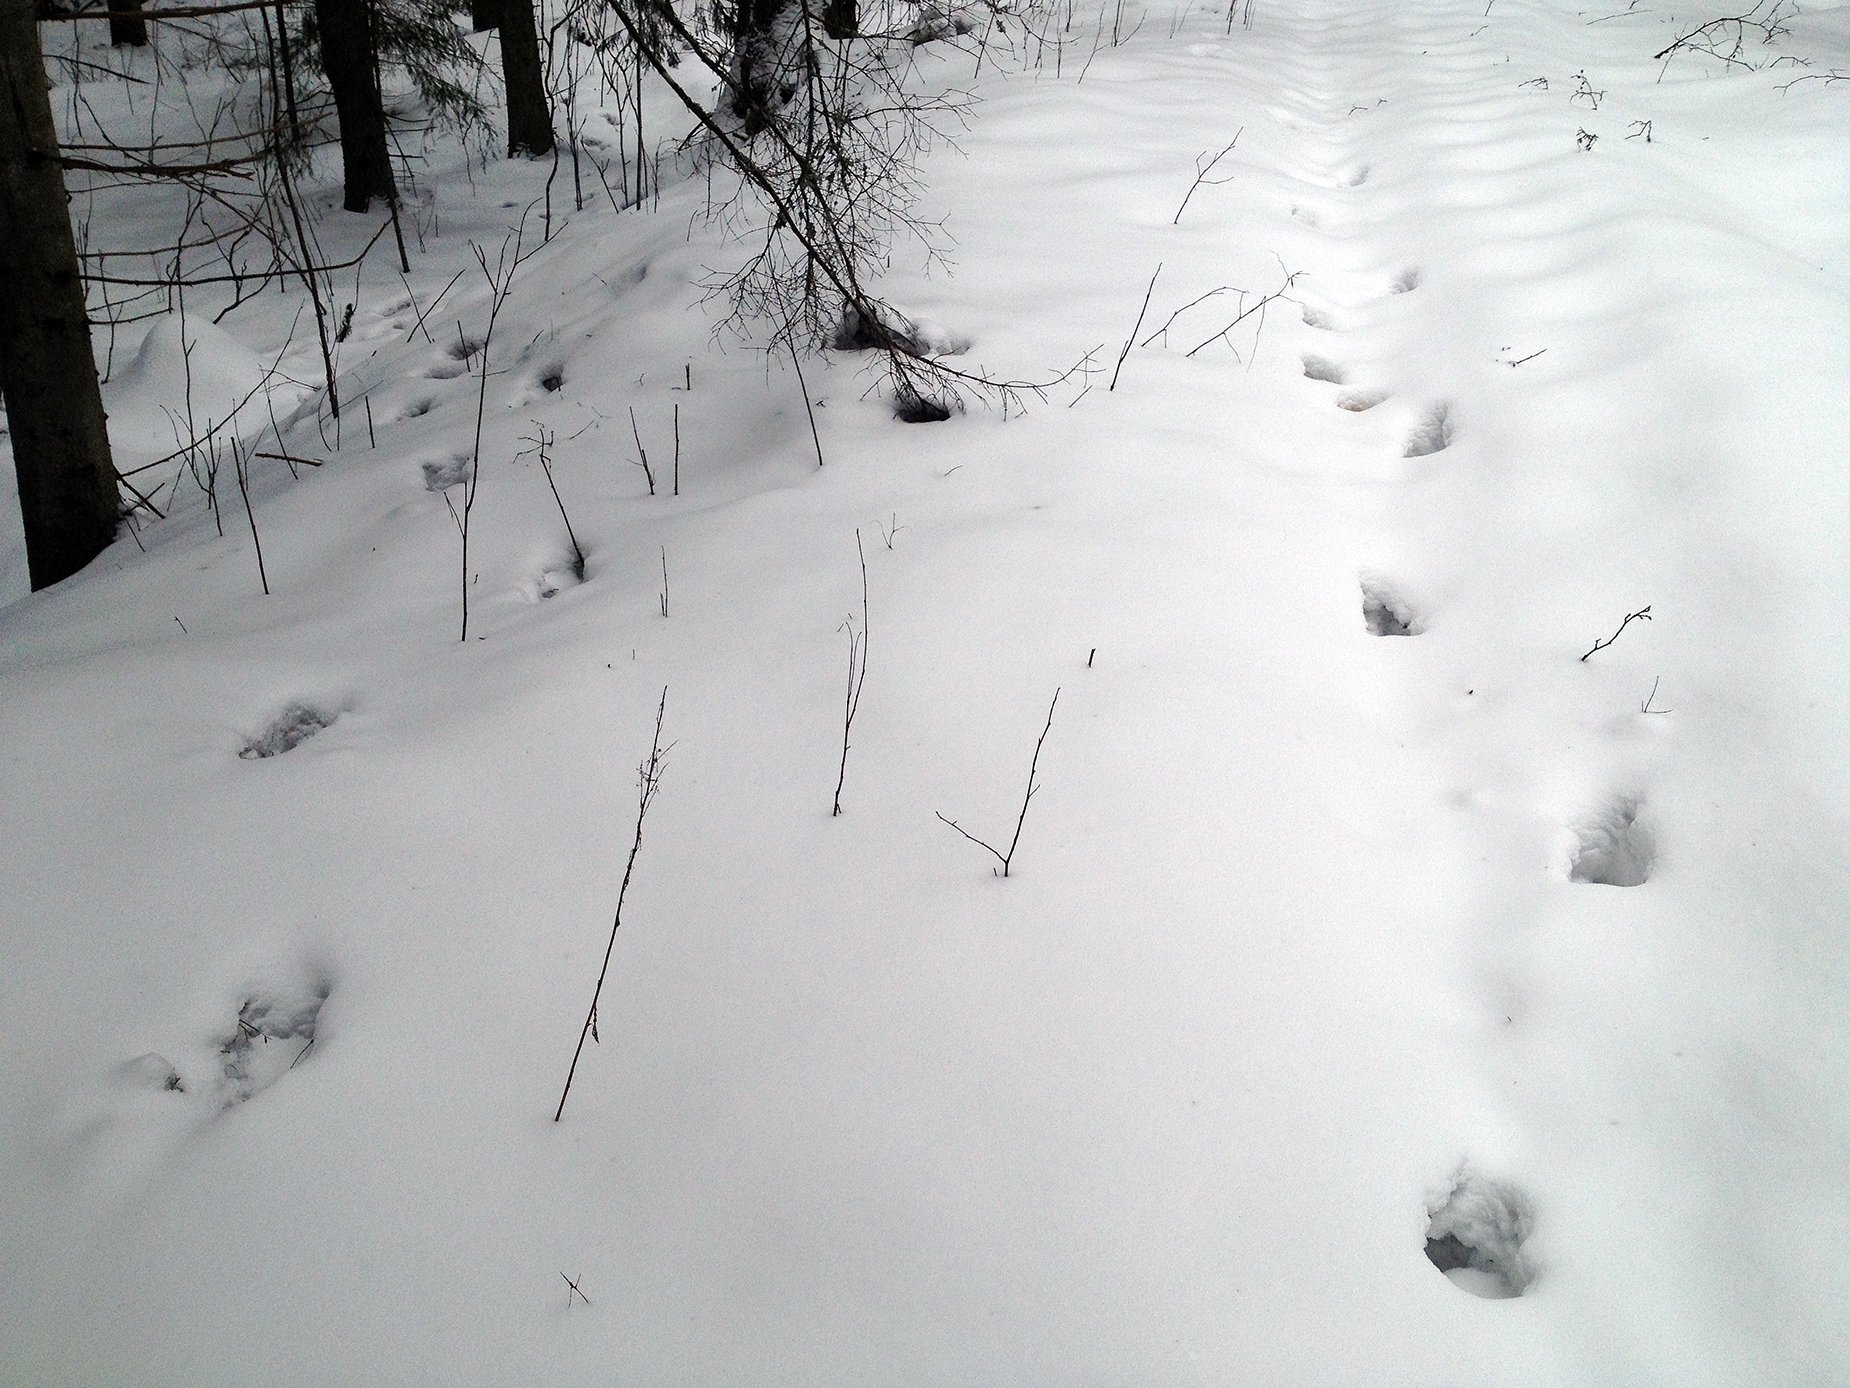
{"x": 935, "y": 693}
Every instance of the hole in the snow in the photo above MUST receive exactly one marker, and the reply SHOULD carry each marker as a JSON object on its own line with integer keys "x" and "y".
{"x": 934, "y": 23}
{"x": 1323, "y": 369}
{"x": 1356, "y": 401}
{"x": 1357, "y": 178}
{"x": 416, "y": 409}
{"x": 151, "y": 1071}
{"x": 440, "y": 474}
{"x": 294, "y": 726}
{"x": 1316, "y": 318}
{"x": 1407, "y": 281}
{"x": 914, "y": 408}
{"x": 1613, "y": 849}
{"x": 554, "y": 581}
{"x": 1385, "y": 612}
{"x": 859, "y": 331}
{"x": 1475, "y": 1236}
{"x": 553, "y": 380}
{"x": 274, "y": 1030}
{"x": 1432, "y": 435}
{"x": 463, "y": 349}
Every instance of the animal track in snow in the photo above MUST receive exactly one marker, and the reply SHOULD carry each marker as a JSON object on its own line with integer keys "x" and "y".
{"x": 1432, "y": 435}
{"x": 1406, "y": 281}
{"x": 911, "y": 407}
{"x": 1612, "y": 849}
{"x": 1358, "y": 177}
{"x": 1475, "y": 1234}
{"x": 440, "y": 474}
{"x": 1385, "y": 612}
{"x": 1317, "y": 318}
{"x": 416, "y": 409}
{"x": 1356, "y": 401}
{"x": 1308, "y": 216}
{"x": 262, "y": 1045}
{"x": 550, "y": 582}
{"x": 290, "y": 729}
{"x": 1323, "y": 369}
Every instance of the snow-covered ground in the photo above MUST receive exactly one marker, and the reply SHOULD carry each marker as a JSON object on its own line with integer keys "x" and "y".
{"x": 1357, "y": 915}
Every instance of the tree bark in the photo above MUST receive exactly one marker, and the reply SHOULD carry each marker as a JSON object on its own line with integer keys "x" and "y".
{"x": 756, "y": 81}
{"x": 484, "y": 14}
{"x": 529, "y": 114}
{"x": 127, "y": 29}
{"x": 841, "y": 19}
{"x": 54, "y": 406}
{"x": 351, "y": 64}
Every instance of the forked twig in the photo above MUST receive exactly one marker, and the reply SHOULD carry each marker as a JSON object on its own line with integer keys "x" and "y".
{"x": 1006, "y": 858}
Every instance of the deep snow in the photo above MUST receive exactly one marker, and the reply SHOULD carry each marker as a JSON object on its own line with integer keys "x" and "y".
{"x": 1356, "y": 911}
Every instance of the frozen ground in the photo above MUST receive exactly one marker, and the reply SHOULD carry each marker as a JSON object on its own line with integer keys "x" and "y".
{"x": 1357, "y": 915}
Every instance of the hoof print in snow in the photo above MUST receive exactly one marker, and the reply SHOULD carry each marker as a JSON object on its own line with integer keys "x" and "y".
{"x": 1406, "y": 282}
{"x": 860, "y": 331}
{"x": 914, "y": 408}
{"x": 273, "y": 1032}
{"x": 416, "y": 409}
{"x": 1433, "y": 435}
{"x": 555, "y": 581}
{"x": 1323, "y": 369}
{"x": 1356, "y": 401}
{"x": 1475, "y": 1236}
{"x": 150, "y": 1071}
{"x": 1316, "y": 318}
{"x": 440, "y": 474}
{"x": 934, "y": 24}
{"x": 1385, "y": 612}
{"x": 1613, "y": 850}
{"x": 294, "y": 726}
{"x": 867, "y": 332}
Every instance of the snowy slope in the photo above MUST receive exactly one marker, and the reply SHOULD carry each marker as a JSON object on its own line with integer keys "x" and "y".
{"x": 1319, "y": 943}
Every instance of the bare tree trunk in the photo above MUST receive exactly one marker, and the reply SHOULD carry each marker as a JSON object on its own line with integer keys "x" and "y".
{"x": 127, "y": 29}
{"x": 484, "y": 14}
{"x": 841, "y": 19}
{"x": 353, "y": 76}
{"x": 67, "y": 482}
{"x": 757, "y": 82}
{"x": 529, "y": 115}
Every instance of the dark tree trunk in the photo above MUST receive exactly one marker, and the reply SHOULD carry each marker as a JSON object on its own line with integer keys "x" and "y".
{"x": 67, "y": 482}
{"x": 484, "y": 14}
{"x": 529, "y": 115}
{"x": 841, "y": 19}
{"x": 127, "y": 29}
{"x": 352, "y": 67}
{"x": 756, "y": 81}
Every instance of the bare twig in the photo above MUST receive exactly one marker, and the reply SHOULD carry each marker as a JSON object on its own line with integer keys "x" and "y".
{"x": 1643, "y": 614}
{"x": 649, "y": 779}
{"x": 857, "y": 676}
{"x": 1129, "y": 341}
{"x": 1006, "y": 858}
{"x": 636, "y": 433}
{"x": 1201, "y": 174}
